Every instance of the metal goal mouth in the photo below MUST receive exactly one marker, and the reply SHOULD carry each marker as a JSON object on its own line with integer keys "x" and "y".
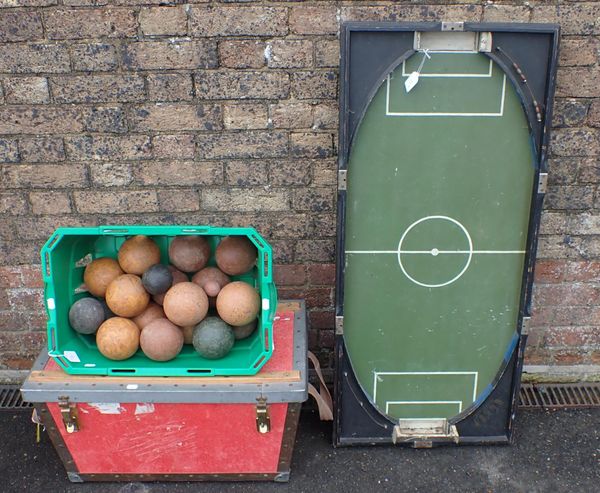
{"x": 559, "y": 395}
{"x": 10, "y": 398}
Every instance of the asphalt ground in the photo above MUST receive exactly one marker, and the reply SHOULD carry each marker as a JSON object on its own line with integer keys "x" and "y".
{"x": 554, "y": 451}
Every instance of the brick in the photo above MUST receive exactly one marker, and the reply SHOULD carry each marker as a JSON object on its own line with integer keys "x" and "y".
{"x": 562, "y": 171}
{"x": 274, "y": 225}
{"x": 161, "y": 21}
{"x": 32, "y": 276}
{"x": 586, "y": 270}
{"x": 34, "y": 58}
{"x": 327, "y": 52}
{"x": 106, "y": 119}
{"x": 326, "y": 338}
{"x": 290, "y": 173}
{"x": 314, "y": 19}
{"x": 322, "y": 250}
{"x": 89, "y": 202}
{"x": 111, "y": 174}
{"x": 578, "y": 82}
{"x": 570, "y": 197}
{"x": 594, "y": 114}
{"x": 244, "y": 200}
{"x": 12, "y": 204}
{"x": 10, "y": 276}
{"x": 173, "y": 146}
{"x": 588, "y": 170}
{"x": 90, "y": 23}
{"x": 564, "y": 316}
{"x": 94, "y": 57}
{"x": 326, "y": 116}
{"x": 98, "y": 88}
{"x": 180, "y": 200}
{"x": 580, "y": 337}
{"x": 312, "y": 145}
{"x": 247, "y": 53}
{"x": 314, "y": 85}
{"x": 584, "y": 224}
{"x": 321, "y": 274}
{"x": 27, "y": 3}
{"x": 245, "y": 116}
{"x": 40, "y": 120}
{"x": 313, "y": 199}
{"x": 171, "y": 54}
{"x": 575, "y": 142}
{"x": 322, "y": 225}
{"x": 578, "y": 52}
{"x": 291, "y": 114}
{"x": 41, "y": 149}
{"x": 321, "y": 319}
{"x": 246, "y": 173}
{"x": 319, "y": 297}
{"x": 253, "y": 144}
{"x": 26, "y": 90}
{"x": 550, "y": 271}
{"x": 170, "y": 87}
{"x": 289, "y": 275}
{"x": 9, "y": 151}
{"x": 570, "y": 112}
{"x": 20, "y": 251}
{"x": 397, "y": 13}
{"x": 184, "y": 173}
{"x": 580, "y": 18}
{"x": 506, "y": 13}
{"x": 50, "y": 202}
{"x": 283, "y": 251}
{"x": 176, "y": 117}
{"x": 46, "y": 176}
{"x": 107, "y": 147}
{"x": 576, "y": 294}
{"x": 553, "y": 223}
{"x": 324, "y": 172}
{"x": 289, "y": 53}
{"x": 242, "y": 85}
{"x": 20, "y": 26}
{"x": 238, "y": 21}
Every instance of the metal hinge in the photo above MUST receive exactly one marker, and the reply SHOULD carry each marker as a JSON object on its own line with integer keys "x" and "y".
{"x": 525, "y": 325}
{"x": 263, "y": 420}
{"x": 339, "y": 325}
{"x": 342, "y": 174}
{"x": 422, "y": 432}
{"x": 543, "y": 183}
{"x": 453, "y": 26}
{"x": 70, "y": 416}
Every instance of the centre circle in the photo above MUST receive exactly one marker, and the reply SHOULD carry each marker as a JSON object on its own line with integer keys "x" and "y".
{"x": 435, "y": 251}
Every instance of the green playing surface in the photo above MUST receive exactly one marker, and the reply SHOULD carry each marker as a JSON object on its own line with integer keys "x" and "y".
{"x": 438, "y": 197}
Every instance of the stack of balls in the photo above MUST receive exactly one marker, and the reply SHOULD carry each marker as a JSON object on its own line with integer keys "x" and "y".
{"x": 140, "y": 303}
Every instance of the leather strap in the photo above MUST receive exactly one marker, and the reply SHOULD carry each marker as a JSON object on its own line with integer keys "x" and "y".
{"x": 321, "y": 396}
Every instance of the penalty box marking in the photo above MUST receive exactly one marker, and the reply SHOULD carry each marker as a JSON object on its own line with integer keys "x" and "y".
{"x": 485, "y": 75}
{"x": 376, "y": 375}
{"x": 416, "y": 403}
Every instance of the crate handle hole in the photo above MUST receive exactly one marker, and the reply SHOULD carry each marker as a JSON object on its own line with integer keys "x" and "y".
{"x": 260, "y": 360}
{"x": 199, "y": 371}
{"x": 122, "y": 370}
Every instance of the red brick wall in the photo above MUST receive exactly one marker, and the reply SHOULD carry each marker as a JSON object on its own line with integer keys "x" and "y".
{"x": 127, "y": 111}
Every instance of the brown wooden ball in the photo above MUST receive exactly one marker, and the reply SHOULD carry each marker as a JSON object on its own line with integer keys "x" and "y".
{"x": 238, "y": 303}
{"x": 137, "y": 254}
{"x": 161, "y": 340}
{"x": 244, "y": 331}
{"x": 185, "y": 303}
{"x": 99, "y": 274}
{"x": 212, "y": 280}
{"x": 178, "y": 277}
{"x": 188, "y": 333}
{"x": 118, "y": 338}
{"x": 189, "y": 253}
{"x": 235, "y": 255}
{"x": 151, "y": 313}
{"x": 126, "y": 296}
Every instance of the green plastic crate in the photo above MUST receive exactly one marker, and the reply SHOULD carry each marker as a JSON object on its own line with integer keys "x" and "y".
{"x": 64, "y": 257}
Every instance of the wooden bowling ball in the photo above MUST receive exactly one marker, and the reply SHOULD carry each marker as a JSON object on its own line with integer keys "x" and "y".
{"x": 118, "y": 338}
{"x": 244, "y": 331}
{"x": 99, "y": 273}
{"x": 126, "y": 296}
{"x": 235, "y": 255}
{"x": 161, "y": 340}
{"x": 212, "y": 280}
{"x": 189, "y": 253}
{"x": 151, "y": 313}
{"x": 188, "y": 333}
{"x": 178, "y": 277}
{"x": 157, "y": 279}
{"x": 86, "y": 315}
{"x": 213, "y": 338}
{"x": 107, "y": 311}
{"x": 137, "y": 254}
{"x": 185, "y": 303}
{"x": 238, "y": 303}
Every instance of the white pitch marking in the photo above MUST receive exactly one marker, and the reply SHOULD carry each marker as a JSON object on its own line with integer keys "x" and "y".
{"x": 487, "y": 75}
{"x": 387, "y": 404}
{"x": 437, "y": 252}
